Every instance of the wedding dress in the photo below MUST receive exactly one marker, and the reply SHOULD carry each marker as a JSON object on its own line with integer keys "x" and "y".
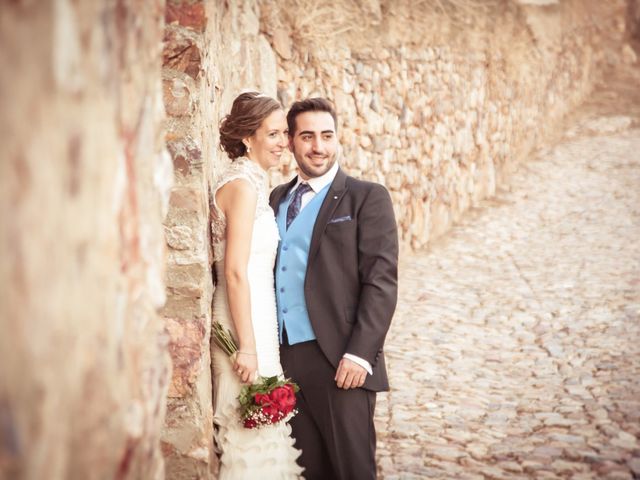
{"x": 265, "y": 452}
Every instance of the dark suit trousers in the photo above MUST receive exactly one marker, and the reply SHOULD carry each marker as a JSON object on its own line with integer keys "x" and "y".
{"x": 334, "y": 427}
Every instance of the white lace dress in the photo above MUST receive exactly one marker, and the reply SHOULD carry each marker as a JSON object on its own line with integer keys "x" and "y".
{"x": 267, "y": 452}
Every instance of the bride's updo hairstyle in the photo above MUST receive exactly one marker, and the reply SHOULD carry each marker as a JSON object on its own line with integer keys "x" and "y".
{"x": 248, "y": 111}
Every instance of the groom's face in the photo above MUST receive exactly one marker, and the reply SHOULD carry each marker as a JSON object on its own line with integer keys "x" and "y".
{"x": 314, "y": 143}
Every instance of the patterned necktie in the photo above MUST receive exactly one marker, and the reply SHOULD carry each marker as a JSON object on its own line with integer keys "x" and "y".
{"x": 296, "y": 201}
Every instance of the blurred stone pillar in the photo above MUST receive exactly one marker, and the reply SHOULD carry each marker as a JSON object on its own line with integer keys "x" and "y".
{"x": 84, "y": 185}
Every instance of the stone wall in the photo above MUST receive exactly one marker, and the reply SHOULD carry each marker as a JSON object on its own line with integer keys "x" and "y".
{"x": 84, "y": 185}
{"x": 442, "y": 120}
{"x": 201, "y": 75}
{"x": 188, "y": 426}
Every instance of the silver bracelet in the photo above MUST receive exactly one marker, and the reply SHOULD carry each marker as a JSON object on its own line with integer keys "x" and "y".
{"x": 247, "y": 353}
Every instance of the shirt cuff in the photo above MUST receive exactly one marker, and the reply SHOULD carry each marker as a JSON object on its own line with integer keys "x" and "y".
{"x": 360, "y": 361}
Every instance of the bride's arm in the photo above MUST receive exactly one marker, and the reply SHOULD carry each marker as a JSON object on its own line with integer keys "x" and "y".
{"x": 237, "y": 199}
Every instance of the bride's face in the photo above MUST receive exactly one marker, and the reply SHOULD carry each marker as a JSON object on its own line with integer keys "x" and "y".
{"x": 269, "y": 141}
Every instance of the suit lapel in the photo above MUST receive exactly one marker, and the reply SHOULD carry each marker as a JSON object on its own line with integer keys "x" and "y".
{"x": 331, "y": 201}
{"x": 279, "y": 193}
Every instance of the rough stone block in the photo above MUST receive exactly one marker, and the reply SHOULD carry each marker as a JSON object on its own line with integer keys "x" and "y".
{"x": 187, "y": 13}
{"x": 186, "y": 155}
{"x": 182, "y": 51}
{"x": 187, "y": 346}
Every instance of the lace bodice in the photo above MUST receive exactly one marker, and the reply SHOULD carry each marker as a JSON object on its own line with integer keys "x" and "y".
{"x": 241, "y": 168}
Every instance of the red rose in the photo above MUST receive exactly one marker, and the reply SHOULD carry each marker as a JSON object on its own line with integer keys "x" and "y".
{"x": 271, "y": 410}
{"x": 261, "y": 399}
{"x": 277, "y": 395}
{"x": 291, "y": 394}
{"x": 249, "y": 423}
{"x": 284, "y": 398}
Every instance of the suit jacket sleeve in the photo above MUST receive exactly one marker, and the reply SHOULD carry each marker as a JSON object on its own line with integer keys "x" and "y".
{"x": 378, "y": 274}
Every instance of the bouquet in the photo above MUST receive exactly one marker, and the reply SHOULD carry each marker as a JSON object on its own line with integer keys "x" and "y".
{"x": 267, "y": 401}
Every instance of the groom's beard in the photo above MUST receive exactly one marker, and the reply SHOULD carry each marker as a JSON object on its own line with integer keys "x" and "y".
{"x": 305, "y": 164}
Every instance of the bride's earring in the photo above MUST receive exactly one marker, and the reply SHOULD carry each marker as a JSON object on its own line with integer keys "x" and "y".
{"x": 248, "y": 148}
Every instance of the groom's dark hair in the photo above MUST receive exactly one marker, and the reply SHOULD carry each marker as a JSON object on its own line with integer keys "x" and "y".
{"x": 316, "y": 104}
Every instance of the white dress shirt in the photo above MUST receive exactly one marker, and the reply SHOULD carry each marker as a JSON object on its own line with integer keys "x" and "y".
{"x": 317, "y": 184}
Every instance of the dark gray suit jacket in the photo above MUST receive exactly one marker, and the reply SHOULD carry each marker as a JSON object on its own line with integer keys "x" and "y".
{"x": 351, "y": 283}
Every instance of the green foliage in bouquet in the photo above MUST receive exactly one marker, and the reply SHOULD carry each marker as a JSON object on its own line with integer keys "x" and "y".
{"x": 224, "y": 339}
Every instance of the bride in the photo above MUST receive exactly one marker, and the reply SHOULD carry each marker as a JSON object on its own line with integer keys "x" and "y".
{"x": 245, "y": 239}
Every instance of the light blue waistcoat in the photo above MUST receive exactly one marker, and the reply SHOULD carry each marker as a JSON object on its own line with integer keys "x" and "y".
{"x": 291, "y": 268}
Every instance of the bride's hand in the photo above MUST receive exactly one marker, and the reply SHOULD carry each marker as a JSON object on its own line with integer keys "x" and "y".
{"x": 246, "y": 366}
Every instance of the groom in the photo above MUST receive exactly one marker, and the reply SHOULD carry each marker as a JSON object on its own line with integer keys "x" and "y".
{"x": 336, "y": 287}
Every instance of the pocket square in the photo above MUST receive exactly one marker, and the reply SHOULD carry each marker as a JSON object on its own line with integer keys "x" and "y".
{"x": 346, "y": 218}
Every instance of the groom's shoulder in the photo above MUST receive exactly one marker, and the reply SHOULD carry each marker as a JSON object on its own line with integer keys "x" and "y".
{"x": 363, "y": 186}
{"x": 277, "y": 189}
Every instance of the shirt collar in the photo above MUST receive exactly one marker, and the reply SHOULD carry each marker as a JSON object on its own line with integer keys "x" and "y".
{"x": 318, "y": 183}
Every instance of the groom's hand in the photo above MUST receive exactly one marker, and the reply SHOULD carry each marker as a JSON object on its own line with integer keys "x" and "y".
{"x": 350, "y": 374}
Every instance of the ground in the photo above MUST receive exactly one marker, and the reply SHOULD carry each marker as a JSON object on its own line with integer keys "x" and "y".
{"x": 515, "y": 349}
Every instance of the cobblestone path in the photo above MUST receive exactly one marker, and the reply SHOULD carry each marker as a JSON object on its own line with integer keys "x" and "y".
{"x": 515, "y": 350}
